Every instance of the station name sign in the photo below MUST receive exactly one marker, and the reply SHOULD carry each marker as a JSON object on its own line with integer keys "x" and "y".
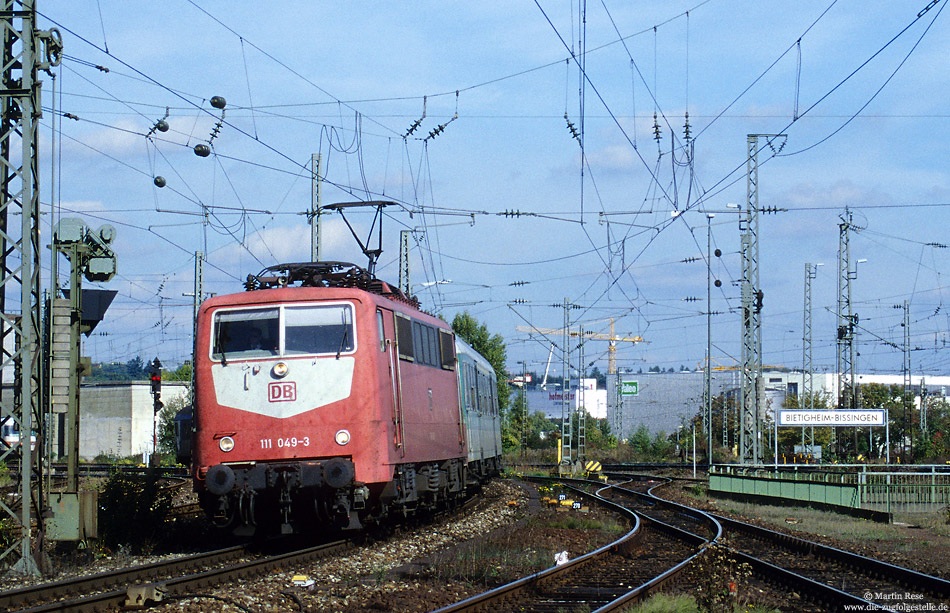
{"x": 841, "y": 417}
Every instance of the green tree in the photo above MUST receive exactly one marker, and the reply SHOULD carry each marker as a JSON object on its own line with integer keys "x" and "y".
{"x": 166, "y": 428}
{"x": 182, "y": 373}
{"x": 640, "y": 441}
{"x": 601, "y": 377}
{"x": 515, "y": 425}
{"x": 661, "y": 447}
{"x": 934, "y": 444}
{"x": 492, "y": 347}
{"x": 133, "y": 370}
{"x": 542, "y": 432}
{"x": 136, "y": 368}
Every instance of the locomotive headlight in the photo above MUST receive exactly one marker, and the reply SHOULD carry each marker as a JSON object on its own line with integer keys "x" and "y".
{"x": 226, "y": 444}
{"x": 279, "y": 370}
{"x": 342, "y": 437}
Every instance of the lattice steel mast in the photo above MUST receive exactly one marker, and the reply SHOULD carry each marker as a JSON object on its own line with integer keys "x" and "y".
{"x": 20, "y": 266}
{"x": 847, "y": 322}
{"x": 907, "y": 429}
{"x": 751, "y": 401}
{"x": 808, "y": 393}
{"x": 566, "y": 424}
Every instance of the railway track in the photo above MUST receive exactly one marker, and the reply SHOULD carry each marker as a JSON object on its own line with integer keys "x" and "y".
{"x": 874, "y": 581}
{"x": 631, "y": 568}
{"x": 174, "y": 579}
{"x": 140, "y": 586}
{"x": 668, "y": 537}
{"x": 70, "y": 588}
{"x": 828, "y": 575}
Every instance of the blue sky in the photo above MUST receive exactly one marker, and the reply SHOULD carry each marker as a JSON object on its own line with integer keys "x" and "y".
{"x": 857, "y": 87}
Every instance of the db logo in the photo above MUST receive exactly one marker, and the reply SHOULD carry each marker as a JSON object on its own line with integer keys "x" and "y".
{"x": 281, "y": 391}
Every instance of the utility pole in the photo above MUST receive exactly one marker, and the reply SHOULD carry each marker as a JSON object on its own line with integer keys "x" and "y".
{"x": 566, "y": 425}
{"x": 847, "y": 389}
{"x": 26, "y": 50}
{"x": 581, "y": 408}
{"x": 404, "y": 283}
{"x": 618, "y": 400}
{"x": 808, "y": 393}
{"x": 197, "y": 295}
{"x": 316, "y": 181}
{"x": 750, "y": 398}
{"x": 707, "y": 386}
{"x": 907, "y": 430}
{"x": 524, "y": 408}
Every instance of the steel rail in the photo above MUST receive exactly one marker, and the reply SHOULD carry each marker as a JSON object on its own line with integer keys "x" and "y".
{"x": 933, "y": 586}
{"x": 816, "y": 590}
{"x": 155, "y": 593}
{"x": 18, "y": 598}
{"x": 492, "y": 599}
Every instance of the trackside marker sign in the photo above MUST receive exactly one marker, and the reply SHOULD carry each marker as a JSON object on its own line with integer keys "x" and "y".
{"x": 842, "y": 417}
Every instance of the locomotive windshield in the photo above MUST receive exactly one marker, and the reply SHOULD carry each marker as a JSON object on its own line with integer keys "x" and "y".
{"x": 287, "y": 330}
{"x": 312, "y": 329}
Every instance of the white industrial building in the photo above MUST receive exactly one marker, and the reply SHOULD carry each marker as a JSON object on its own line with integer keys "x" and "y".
{"x": 551, "y": 400}
{"x": 118, "y": 418}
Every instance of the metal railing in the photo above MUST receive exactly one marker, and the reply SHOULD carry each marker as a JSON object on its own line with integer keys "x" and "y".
{"x": 910, "y": 489}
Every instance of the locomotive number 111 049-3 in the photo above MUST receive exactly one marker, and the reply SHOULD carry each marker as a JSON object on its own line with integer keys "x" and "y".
{"x": 286, "y": 442}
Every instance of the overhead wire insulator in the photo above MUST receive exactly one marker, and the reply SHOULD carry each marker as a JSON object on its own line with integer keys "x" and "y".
{"x": 570, "y": 126}
{"x": 415, "y": 125}
{"x": 440, "y": 128}
{"x": 686, "y": 135}
{"x": 160, "y": 126}
{"x": 215, "y": 131}
{"x": 656, "y": 129}
{"x": 217, "y": 128}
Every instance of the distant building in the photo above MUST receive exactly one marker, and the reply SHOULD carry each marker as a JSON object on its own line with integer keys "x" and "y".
{"x": 664, "y": 401}
{"x": 118, "y": 419}
{"x": 551, "y": 400}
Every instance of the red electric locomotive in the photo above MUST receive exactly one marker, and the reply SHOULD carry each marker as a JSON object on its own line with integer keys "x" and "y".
{"x": 324, "y": 396}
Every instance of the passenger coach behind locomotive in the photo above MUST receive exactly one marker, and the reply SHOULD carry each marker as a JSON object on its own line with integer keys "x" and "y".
{"x": 325, "y": 396}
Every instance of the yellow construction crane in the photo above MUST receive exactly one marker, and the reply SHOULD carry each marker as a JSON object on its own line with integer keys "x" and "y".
{"x": 597, "y": 336}
{"x": 701, "y": 365}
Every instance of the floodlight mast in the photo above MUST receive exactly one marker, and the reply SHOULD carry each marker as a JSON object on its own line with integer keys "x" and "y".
{"x": 371, "y": 254}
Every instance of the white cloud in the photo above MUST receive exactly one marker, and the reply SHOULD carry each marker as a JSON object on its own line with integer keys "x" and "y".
{"x": 285, "y": 244}
{"x": 78, "y": 207}
{"x": 839, "y": 194}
